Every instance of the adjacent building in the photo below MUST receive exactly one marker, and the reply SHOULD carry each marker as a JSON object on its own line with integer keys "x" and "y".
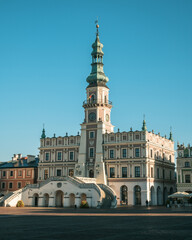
{"x": 18, "y": 173}
{"x": 184, "y": 168}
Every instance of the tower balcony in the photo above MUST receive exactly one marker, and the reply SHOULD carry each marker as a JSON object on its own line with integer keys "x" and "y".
{"x": 97, "y": 103}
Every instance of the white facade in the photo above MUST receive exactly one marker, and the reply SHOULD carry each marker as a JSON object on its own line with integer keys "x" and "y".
{"x": 128, "y": 167}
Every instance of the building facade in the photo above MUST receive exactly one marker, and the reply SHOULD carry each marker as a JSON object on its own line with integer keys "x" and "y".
{"x": 18, "y": 173}
{"x": 137, "y": 165}
{"x": 184, "y": 168}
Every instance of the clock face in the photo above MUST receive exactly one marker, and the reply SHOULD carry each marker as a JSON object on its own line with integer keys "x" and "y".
{"x": 107, "y": 117}
{"x": 92, "y": 116}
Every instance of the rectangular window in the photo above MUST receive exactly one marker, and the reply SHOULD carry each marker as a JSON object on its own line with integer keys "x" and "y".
{"x": 28, "y": 172}
{"x": 91, "y": 152}
{"x": 10, "y": 185}
{"x": 58, "y": 172}
{"x": 71, "y": 172}
{"x": 45, "y": 174}
{"x": 170, "y": 175}
{"x": 124, "y": 137}
{"x": 19, "y": 173}
{"x": 158, "y": 173}
{"x": 152, "y": 172}
{"x": 3, "y": 185}
{"x": 124, "y": 172}
{"x": 112, "y": 172}
{"x": 59, "y": 156}
{"x": 137, "y": 171}
{"x": 163, "y": 173}
{"x": 137, "y": 137}
{"x": 124, "y": 153}
{"x": 187, "y": 164}
{"x": 11, "y": 173}
{"x": 4, "y": 173}
{"x": 187, "y": 179}
{"x": 91, "y": 134}
{"x": 151, "y": 153}
{"x": 19, "y": 184}
{"x": 47, "y": 156}
{"x": 71, "y": 156}
{"x": 111, "y": 153}
{"x": 137, "y": 152}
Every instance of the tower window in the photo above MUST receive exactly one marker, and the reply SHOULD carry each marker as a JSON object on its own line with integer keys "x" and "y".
{"x": 91, "y": 152}
{"x": 91, "y": 134}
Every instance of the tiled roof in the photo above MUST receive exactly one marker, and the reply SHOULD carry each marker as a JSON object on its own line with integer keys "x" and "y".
{"x": 20, "y": 164}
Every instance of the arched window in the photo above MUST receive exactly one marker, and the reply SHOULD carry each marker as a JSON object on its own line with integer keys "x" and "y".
{"x": 124, "y": 195}
{"x": 137, "y": 195}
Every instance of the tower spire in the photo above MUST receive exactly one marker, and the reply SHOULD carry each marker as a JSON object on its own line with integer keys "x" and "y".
{"x": 97, "y": 76}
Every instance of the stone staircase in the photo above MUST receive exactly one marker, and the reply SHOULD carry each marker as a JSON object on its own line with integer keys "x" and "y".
{"x": 110, "y": 200}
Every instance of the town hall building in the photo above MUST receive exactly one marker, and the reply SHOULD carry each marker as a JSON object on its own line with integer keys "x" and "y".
{"x": 102, "y": 166}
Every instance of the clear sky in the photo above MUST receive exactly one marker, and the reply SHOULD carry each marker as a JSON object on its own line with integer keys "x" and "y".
{"x": 45, "y": 48}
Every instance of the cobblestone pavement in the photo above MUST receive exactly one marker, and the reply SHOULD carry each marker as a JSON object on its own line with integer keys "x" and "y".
{"x": 120, "y": 223}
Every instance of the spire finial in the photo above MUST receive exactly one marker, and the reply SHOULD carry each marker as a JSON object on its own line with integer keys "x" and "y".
{"x": 97, "y": 26}
{"x": 43, "y": 132}
{"x": 144, "y": 127}
{"x": 171, "y": 135}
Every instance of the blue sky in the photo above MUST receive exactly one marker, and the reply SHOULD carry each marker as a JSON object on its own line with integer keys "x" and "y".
{"x": 45, "y": 48}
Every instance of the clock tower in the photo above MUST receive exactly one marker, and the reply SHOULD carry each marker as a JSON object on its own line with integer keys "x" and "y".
{"x": 97, "y": 120}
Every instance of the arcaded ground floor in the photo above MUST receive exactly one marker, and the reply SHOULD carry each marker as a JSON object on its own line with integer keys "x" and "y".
{"x": 120, "y": 223}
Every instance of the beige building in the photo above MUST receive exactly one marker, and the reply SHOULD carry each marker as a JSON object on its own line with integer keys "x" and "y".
{"x": 137, "y": 165}
{"x": 184, "y": 168}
